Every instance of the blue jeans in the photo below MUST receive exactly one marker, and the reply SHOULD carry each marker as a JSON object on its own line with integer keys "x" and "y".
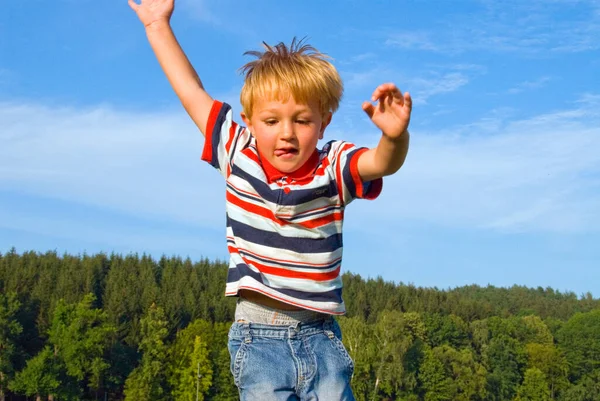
{"x": 286, "y": 363}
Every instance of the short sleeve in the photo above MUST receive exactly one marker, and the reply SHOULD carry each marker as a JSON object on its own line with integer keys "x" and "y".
{"x": 223, "y": 138}
{"x": 343, "y": 157}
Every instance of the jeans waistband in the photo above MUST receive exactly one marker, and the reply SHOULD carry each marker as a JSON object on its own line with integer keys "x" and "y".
{"x": 247, "y": 331}
{"x": 251, "y": 312}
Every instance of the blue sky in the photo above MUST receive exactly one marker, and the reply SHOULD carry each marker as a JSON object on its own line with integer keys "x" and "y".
{"x": 501, "y": 185}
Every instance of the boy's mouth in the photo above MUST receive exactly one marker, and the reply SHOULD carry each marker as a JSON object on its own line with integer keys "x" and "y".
{"x": 286, "y": 152}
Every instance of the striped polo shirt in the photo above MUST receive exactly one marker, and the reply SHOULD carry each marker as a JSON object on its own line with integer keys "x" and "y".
{"x": 284, "y": 231}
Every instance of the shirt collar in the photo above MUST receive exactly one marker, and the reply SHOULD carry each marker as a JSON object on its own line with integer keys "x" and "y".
{"x": 305, "y": 170}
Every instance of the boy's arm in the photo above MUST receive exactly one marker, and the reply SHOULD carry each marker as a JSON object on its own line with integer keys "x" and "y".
{"x": 391, "y": 115}
{"x": 156, "y": 15}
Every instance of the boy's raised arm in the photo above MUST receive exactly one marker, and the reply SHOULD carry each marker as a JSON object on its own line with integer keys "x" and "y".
{"x": 391, "y": 114}
{"x": 156, "y": 16}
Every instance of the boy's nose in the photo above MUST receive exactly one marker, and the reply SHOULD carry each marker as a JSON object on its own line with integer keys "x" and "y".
{"x": 287, "y": 131}
{"x": 286, "y": 134}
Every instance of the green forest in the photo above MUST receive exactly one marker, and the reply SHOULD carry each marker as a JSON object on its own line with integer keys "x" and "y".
{"x": 131, "y": 327}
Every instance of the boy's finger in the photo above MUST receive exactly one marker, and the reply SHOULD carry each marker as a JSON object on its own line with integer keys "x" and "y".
{"x": 408, "y": 100}
{"x": 391, "y": 87}
{"x": 375, "y": 95}
{"x": 378, "y": 92}
{"x": 368, "y": 108}
{"x": 385, "y": 89}
{"x": 134, "y": 6}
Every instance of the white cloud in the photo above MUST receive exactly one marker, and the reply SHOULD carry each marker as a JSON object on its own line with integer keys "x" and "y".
{"x": 224, "y": 17}
{"x": 424, "y": 88}
{"x": 199, "y": 10}
{"x": 539, "y": 174}
{"x": 359, "y": 79}
{"x": 423, "y": 85}
{"x": 527, "y": 85}
{"x": 146, "y": 165}
{"x": 412, "y": 40}
{"x": 512, "y": 26}
{"x": 92, "y": 234}
{"x": 359, "y": 58}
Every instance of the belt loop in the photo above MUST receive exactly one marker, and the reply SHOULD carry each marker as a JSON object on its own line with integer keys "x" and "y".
{"x": 247, "y": 334}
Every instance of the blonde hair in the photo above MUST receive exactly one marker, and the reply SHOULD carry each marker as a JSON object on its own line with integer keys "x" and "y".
{"x": 299, "y": 70}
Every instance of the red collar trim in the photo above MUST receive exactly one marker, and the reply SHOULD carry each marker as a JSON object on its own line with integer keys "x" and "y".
{"x": 307, "y": 168}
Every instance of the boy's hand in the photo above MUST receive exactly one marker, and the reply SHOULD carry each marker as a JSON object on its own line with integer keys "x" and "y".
{"x": 392, "y": 113}
{"x": 152, "y": 11}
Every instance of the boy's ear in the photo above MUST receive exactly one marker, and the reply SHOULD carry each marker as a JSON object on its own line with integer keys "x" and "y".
{"x": 325, "y": 123}
{"x": 246, "y": 120}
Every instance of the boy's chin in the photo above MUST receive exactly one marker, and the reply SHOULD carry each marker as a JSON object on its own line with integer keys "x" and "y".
{"x": 288, "y": 164}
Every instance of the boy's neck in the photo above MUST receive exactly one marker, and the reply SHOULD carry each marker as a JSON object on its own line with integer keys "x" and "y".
{"x": 306, "y": 169}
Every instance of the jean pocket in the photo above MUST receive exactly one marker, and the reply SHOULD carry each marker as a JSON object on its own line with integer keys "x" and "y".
{"x": 237, "y": 351}
{"x": 335, "y": 338}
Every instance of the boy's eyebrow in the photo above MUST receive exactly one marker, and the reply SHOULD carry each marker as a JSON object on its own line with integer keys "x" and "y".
{"x": 301, "y": 109}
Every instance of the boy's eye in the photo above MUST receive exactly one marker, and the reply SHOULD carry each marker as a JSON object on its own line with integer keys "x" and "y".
{"x": 303, "y": 122}
{"x": 270, "y": 122}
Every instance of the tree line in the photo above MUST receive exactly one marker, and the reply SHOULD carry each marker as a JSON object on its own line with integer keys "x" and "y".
{"x": 130, "y": 327}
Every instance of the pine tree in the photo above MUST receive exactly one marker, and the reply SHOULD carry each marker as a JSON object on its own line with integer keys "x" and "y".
{"x": 80, "y": 335}
{"x": 131, "y": 288}
{"x": 41, "y": 377}
{"x": 190, "y": 369}
{"x": 148, "y": 381}
{"x": 223, "y": 388}
{"x": 10, "y": 328}
{"x": 193, "y": 380}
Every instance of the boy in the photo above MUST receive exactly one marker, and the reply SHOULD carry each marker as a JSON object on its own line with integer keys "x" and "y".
{"x": 285, "y": 206}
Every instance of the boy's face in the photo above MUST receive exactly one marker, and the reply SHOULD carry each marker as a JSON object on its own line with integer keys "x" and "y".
{"x": 286, "y": 132}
